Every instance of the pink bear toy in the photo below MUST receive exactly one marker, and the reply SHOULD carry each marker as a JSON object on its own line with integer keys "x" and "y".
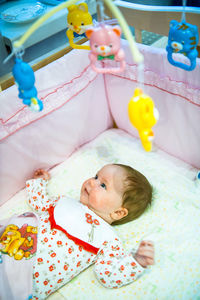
{"x": 105, "y": 44}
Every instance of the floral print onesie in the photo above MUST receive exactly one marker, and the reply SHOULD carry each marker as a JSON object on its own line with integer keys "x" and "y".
{"x": 70, "y": 241}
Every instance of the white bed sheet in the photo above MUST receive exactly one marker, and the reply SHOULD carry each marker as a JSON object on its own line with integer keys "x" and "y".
{"x": 173, "y": 221}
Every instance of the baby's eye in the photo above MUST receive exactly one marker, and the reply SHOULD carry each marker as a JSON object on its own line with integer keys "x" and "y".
{"x": 71, "y": 23}
{"x": 110, "y": 45}
{"x": 82, "y": 23}
{"x": 95, "y": 45}
{"x": 95, "y": 177}
{"x": 103, "y": 185}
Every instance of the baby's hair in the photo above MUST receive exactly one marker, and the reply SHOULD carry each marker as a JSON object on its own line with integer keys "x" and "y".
{"x": 137, "y": 195}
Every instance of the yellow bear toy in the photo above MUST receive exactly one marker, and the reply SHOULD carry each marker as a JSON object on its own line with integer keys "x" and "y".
{"x": 11, "y": 241}
{"x": 19, "y": 242}
{"x": 143, "y": 115}
{"x": 78, "y": 19}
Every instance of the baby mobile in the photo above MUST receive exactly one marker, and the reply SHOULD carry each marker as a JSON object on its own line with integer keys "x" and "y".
{"x": 105, "y": 44}
{"x": 105, "y": 47}
{"x": 183, "y": 39}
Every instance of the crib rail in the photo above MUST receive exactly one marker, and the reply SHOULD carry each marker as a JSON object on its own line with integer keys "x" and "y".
{"x": 8, "y": 80}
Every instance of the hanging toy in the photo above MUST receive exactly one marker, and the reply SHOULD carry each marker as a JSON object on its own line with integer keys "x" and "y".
{"x": 78, "y": 19}
{"x": 143, "y": 115}
{"x": 25, "y": 79}
{"x": 183, "y": 38}
{"x": 105, "y": 42}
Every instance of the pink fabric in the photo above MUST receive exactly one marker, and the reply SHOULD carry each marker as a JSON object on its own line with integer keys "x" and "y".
{"x": 75, "y": 112}
{"x": 16, "y": 284}
{"x": 176, "y": 94}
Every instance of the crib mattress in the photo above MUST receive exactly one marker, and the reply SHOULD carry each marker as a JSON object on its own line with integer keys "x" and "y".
{"x": 173, "y": 221}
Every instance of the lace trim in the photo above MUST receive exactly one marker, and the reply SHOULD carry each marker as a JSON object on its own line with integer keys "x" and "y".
{"x": 52, "y": 101}
{"x": 176, "y": 88}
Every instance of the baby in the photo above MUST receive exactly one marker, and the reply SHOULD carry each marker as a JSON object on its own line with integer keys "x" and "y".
{"x": 72, "y": 235}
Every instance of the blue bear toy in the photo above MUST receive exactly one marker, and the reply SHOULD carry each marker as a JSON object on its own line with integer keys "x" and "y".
{"x": 183, "y": 38}
{"x": 25, "y": 79}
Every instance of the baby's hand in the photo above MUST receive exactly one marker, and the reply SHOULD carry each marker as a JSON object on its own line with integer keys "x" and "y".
{"x": 40, "y": 173}
{"x": 145, "y": 254}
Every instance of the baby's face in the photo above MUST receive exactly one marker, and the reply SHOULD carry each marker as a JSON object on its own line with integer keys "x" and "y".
{"x": 103, "y": 193}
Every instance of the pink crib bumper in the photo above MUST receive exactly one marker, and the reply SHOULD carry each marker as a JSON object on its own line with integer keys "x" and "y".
{"x": 75, "y": 112}
{"x": 80, "y": 104}
{"x": 176, "y": 94}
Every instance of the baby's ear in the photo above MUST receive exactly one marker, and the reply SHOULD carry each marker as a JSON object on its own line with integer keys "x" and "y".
{"x": 119, "y": 214}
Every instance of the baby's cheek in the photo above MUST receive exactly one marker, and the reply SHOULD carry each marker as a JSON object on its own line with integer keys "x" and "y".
{"x": 102, "y": 205}
{"x": 94, "y": 201}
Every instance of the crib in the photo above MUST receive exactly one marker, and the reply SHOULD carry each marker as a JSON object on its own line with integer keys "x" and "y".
{"x": 85, "y": 125}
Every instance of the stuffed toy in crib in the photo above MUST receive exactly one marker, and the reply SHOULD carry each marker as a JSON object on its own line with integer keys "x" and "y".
{"x": 70, "y": 237}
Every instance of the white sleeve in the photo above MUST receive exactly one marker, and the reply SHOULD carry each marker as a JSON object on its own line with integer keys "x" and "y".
{"x": 38, "y": 197}
{"x": 115, "y": 268}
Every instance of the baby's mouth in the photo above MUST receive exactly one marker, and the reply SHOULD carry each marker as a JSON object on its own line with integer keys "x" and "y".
{"x": 86, "y": 191}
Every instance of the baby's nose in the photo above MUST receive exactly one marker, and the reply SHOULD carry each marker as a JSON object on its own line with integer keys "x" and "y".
{"x": 93, "y": 182}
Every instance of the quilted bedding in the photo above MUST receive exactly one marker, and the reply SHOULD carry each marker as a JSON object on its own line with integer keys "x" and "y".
{"x": 173, "y": 221}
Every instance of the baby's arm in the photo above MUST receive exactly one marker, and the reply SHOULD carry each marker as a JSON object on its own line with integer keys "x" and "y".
{"x": 36, "y": 188}
{"x": 115, "y": 268}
